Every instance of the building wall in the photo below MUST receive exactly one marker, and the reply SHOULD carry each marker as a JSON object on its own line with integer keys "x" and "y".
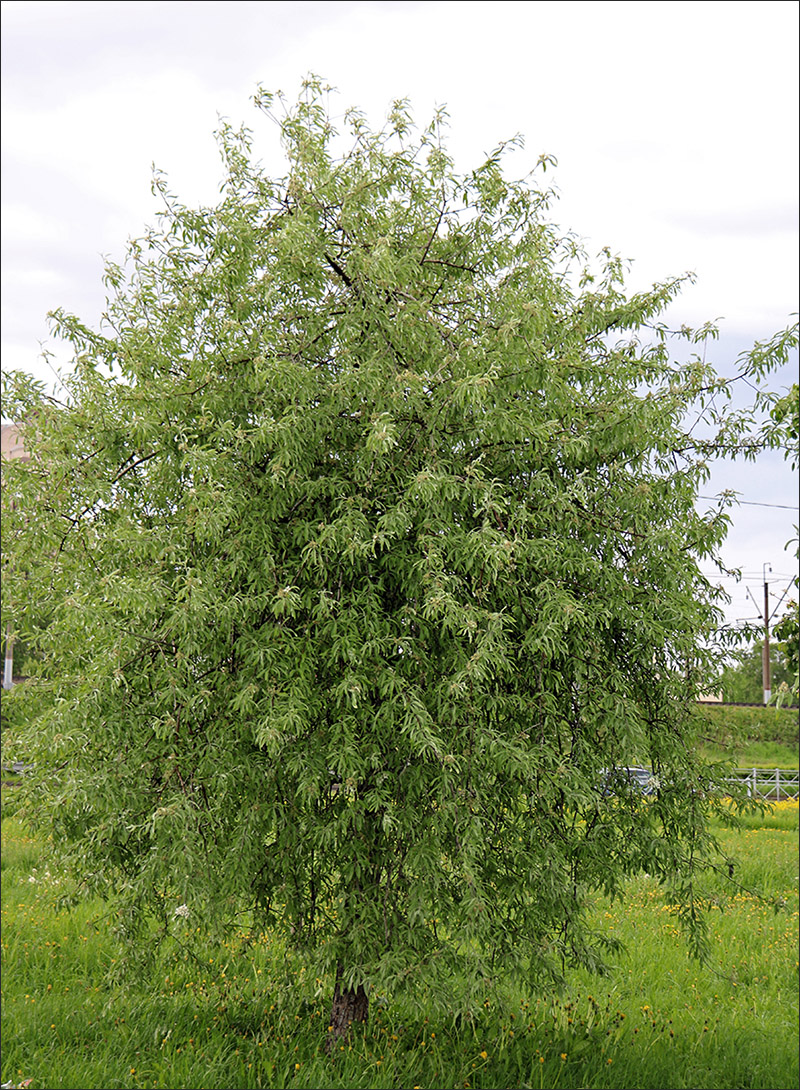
{"x": 12, "y": 446}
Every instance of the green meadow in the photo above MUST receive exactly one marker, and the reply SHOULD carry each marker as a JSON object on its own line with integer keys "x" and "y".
{"x": 249, "y": 1016}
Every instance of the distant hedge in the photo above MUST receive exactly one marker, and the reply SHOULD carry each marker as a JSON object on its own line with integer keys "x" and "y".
{"x": 732, "y": 725}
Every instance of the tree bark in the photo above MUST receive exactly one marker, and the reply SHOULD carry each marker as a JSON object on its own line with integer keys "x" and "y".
{"x": 349, "y": 1005}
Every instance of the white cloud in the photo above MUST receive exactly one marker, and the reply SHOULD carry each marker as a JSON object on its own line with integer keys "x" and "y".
{"x": 106, "y": 142}
{"x": 22, "y": 223}
{"x": 32, "y": 278}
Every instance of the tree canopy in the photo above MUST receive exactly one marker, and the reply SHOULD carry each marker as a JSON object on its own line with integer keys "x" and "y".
{"x": 366, "y": 539}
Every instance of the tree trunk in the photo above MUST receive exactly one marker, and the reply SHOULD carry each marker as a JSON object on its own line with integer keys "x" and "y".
{"x": 349, "y": 1005}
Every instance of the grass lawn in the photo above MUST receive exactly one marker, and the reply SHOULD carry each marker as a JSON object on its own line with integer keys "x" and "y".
{"x": 252, "y": 1018}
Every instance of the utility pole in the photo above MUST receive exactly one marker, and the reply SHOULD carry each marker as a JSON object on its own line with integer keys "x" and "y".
{"x": 765, "y": 665}
{"x": 8, "y": 662}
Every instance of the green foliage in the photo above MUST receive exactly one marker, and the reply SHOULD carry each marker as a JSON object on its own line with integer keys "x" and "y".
{"x": 367, "y": 537}
{"x": 8, "y": 706}
{"x": 786, "y": 417}
{"x": 787, "y": 632}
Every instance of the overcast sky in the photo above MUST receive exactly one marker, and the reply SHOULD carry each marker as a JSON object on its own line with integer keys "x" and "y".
{"x": 675, "y": 126}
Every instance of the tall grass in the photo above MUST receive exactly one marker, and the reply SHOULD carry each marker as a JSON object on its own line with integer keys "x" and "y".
{"x": 752, "y": 737}
{"x": 250, "y": 1016}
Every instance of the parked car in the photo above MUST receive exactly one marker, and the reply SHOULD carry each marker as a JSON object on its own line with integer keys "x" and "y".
{"x": 635, "y": 775}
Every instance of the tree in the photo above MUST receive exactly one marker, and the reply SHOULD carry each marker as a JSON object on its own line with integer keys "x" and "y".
{"x": 787, "y": 631}
{"x": 367, "y": 538}
{"x": 786, "y": 422}
{"x": 742, "y": 681}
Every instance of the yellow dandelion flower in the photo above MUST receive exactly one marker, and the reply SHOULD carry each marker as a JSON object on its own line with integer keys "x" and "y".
{"x": 484, "y": 1055}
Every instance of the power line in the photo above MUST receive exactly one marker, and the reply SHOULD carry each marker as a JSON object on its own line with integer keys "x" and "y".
{"x": 744, "y": 577}
{"x": 755, "y": 503}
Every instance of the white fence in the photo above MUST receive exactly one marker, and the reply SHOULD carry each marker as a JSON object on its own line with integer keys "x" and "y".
{"x": 769, "y": 783}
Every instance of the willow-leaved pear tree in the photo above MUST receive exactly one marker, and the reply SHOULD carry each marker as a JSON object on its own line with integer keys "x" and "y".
{"x": 366, "y": 539}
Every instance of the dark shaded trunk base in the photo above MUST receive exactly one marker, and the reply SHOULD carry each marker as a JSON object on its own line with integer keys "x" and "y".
{"x": 349, "y": 1005}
